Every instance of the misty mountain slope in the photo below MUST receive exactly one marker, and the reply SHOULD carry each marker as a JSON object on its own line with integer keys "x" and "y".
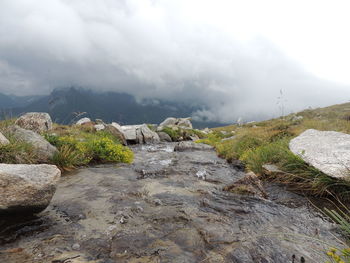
{"x": 64, "y": 104}
{"x": 6, "y": 102}
{"x": 12, "y": 101}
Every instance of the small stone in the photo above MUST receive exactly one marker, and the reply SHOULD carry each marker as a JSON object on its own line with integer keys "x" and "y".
{"x": 76, "y": 246}
{"x": 139, "y": 209}
{"x": 157, "y": 202}
{"x": 123, "y": 220}
{"x": 201, "y": 174}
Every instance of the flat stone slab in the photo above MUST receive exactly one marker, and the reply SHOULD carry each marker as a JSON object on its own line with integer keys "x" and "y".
{"x": 327, "y": 151}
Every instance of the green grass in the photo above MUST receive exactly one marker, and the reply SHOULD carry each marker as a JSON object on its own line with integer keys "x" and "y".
{"x": 340, "y": 216}
{"x": 77, "y": 146}
{"x": 265, "y": 142}
{"x": 178, "y": 133}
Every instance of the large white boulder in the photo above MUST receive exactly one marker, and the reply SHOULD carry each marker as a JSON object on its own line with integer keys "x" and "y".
{"x": 149, "y": 136}
{"x": 83, "y": 121}
{"x": 129, "y": 132}
{"x": 116, "y": 130}
{"x": 327, "y": 151}
{"x": 27, "y": 188}
{"x": 35, "y": 121}
{"x": 43, "y": 148}
{"x": 139, "y": 134}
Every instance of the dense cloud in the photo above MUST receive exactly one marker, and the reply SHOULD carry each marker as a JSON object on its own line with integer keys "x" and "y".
{"x": 150, "y": 48}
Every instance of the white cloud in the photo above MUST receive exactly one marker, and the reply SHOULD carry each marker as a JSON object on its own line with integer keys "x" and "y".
{"x": 232, "y": 56}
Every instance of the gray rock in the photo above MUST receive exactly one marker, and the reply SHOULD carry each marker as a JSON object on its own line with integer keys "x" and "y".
{"x": 184, "y": 123}
{"x": 139, "y": 134}
{"x": 149, "y": 136}
{"x": 43, "y": 148}
{"x": 164, "y": 137}
{"x": 3, "y": 140}
{"x": 129, "y": 132}
{"x": 207, "y": 131}
{"x": 327, "y": 151}
{"x": 191, "y": 146}
{"x": 27, "y": 187}
{"x": 83, "y": 121}
{"x": 193, "y": 137}
{"x": 76, "y": 246}
{"x": 229, "y": 138}
{"x": 35, "y": 121}
{"x": 99, "y": 127}
{"x": 115, "y": 130}
{"x": 99, "y": 121}
{"x": 169, "y": 122}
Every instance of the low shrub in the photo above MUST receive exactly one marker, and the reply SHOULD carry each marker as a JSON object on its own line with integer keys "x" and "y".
{"x": 79, "y": 147}
{"x": 68, "y": 158}
{"x": 174, "y": 134}
{"x": 105, "y": 150}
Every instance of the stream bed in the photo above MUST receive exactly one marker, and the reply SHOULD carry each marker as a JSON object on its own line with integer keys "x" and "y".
{"x": 167, "y": 207}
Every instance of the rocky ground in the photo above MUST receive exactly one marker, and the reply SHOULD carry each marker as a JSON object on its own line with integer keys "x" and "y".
{"x": 167, "y": 207}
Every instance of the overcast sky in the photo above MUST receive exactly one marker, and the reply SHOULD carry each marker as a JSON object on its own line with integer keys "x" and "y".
{"x": 232, "y": 56}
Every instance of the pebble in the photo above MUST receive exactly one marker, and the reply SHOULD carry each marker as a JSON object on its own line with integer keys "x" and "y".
{"x": 139, "y": 209}
{"x": 76, "y": 246}
{"x": 157, "y": 202}
{"x": 123, "y": 220}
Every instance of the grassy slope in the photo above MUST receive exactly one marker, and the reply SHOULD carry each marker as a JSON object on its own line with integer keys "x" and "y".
{"x": 267, "y": 142}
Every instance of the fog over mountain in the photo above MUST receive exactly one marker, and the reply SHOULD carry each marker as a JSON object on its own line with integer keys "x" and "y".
{"x": 234, "y": 59}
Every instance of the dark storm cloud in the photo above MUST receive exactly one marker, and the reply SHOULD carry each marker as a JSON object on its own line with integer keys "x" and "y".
{"x": 149, "y": 49}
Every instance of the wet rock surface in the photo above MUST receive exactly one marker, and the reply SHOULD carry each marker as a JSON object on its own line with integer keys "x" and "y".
{"x": 166, "y": 207}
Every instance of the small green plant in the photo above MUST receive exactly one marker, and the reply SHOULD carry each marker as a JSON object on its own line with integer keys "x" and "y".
{"x": 336, "y": 255}
{"x": 105, "y": 150}
{"x": 18, "y": 152}
{"x": 68, "y": 158}
{"x": 174, "y": 134}
{"x": 77, "y": 147}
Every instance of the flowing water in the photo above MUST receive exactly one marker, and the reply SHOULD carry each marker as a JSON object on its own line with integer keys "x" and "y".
{"x": 166, "y": 207}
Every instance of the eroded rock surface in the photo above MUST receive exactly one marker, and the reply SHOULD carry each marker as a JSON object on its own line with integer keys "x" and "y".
{"x": 168, "y": 207}
{"x": 27, "y": 188}
{"x": 35, "y": 121}
{"x": 327, "y": 151}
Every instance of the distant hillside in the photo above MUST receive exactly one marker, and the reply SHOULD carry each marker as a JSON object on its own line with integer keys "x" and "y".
{"x": 11, "y": 101}
{"x": 65, "y": 104}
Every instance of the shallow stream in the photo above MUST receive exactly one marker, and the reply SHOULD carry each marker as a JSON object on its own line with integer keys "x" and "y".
{"x": 166, "y": 207}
